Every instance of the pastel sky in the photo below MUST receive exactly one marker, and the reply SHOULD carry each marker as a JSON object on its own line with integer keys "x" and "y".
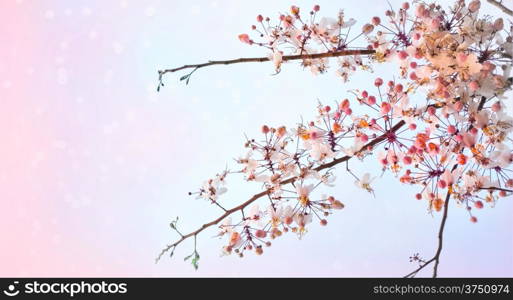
{"x": 94, "y": 163}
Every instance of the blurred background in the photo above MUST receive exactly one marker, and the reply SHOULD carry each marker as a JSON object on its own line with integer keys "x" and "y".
{"x": 94, "y": 163}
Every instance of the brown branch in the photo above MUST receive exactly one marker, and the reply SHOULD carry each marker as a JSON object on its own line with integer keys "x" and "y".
{"x": 441, "y": 234}
{"x": 436, "y": 258}
{"x": 497, "y": 189}
{"x": 501, "y": 6}
{"x": 268, "y": 191}
{"x": 262, "y": 59}
{"x": 413, "y": 273}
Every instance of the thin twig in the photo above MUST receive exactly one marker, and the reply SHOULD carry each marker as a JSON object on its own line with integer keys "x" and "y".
{"x": 497, "y": 189}
{"x": 436, "y": 257}
{"x": 441, "y": 234}
{"x": 501, "y": 6}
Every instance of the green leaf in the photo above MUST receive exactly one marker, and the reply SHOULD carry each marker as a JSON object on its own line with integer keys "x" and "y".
{"x": 187, "y": 257}
{"x": 173, "y": 223}
{"x": 195, "y": 260}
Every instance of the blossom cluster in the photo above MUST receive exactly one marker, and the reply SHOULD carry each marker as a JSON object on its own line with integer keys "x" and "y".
{"x": 294, "y": 34}
{"x": 441, "y": 125}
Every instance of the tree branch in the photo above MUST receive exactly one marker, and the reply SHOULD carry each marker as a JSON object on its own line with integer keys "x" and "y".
{"x": 497, "y": 189}
{"x": 262, "y": 59}
{"x": 501, "y": 6}
{"x": 436, "y": 258}
{"x": 268, "y": 191}
{"x": 441, "y": 234}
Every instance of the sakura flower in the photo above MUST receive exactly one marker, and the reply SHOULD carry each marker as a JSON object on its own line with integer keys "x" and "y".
{"x": 321, "y": 151}
{"x": 365, "y": 182}
{"x": 302, "y": 220}
{"x": 468, "y": 64}
{"x": 502, "y": 157}
{"x": 482, "y": 119}
{"x": 303, "y": 192}
{"x": 277, "y": 59}
{"x": 354, "y": 149}
{"x": 254, "y": 217}
{"x": 448, "y": 178}
{"x": 280, "y": 215}
{"x": 226, "y": 227}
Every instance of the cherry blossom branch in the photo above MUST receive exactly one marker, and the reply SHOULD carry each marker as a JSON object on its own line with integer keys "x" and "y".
{"x": 458, "y": 134}
{"x": 436, "y": 257}
{"x": 501, "y": 6}
{"x": 262, "y": 59}
{"x": 255, "y": 197}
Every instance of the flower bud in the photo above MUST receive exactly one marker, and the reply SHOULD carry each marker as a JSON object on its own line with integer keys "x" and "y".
{"x": 371, "y": 100}
{"x": 385, "y": 108}
{"x": 442, "y": 184}
{"x": 367, "y": 28}
{"x": 245, "y": 38}
{"x": 344, "y": 104}
{"x": 474, "y": 6}
{"x": 402, "y": 55}
{"x": 496, "y": 107}
{"x": 478, "y": 204}
{"x": 419, "y": 10}
{"x": 458, "y": 106}
{"x": 498, "y": 24}
{"x": 473, "y": 86}
{"x": 294, "y": 10}
{"x": 265, "y": 129}
{"x": 260, "y": 234}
